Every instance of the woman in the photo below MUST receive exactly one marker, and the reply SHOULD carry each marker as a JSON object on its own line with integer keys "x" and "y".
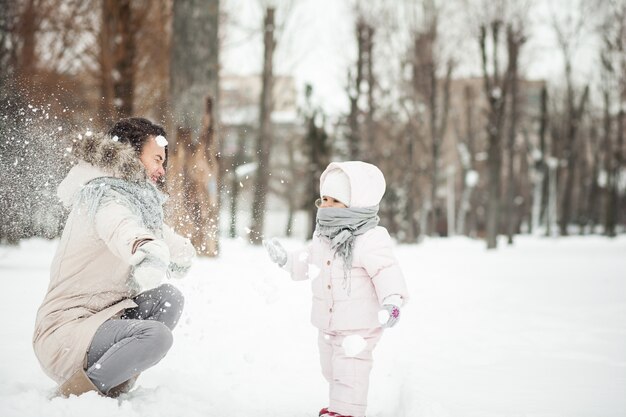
{"x": 96, "y": 330}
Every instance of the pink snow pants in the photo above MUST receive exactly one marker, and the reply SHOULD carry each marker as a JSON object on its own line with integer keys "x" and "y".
{"x": 347, "y": 376}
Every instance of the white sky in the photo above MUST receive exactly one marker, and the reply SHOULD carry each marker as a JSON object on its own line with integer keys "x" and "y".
{"x": 317, "y": 45}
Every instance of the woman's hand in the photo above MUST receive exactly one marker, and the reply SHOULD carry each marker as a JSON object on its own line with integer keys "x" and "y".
{"x": 150, "y": 262}
{"x": 154, "y": 250}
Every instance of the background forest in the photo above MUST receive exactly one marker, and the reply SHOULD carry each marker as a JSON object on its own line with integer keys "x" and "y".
{"x": 479, "y": 131}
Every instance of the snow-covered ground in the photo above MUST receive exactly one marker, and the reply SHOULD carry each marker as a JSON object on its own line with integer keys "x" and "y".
{"x": 533, "y": 330}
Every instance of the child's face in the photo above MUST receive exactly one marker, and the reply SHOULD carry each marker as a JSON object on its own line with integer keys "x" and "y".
{"x": 329, "y": 202}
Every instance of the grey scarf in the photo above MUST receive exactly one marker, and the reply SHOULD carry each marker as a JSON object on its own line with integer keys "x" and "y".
{"x": 142, "y": 198}
{"x": 341, "y": 226}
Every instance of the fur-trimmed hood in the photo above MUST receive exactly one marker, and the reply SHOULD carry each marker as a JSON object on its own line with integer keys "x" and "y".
{"x": 99, "y": 156}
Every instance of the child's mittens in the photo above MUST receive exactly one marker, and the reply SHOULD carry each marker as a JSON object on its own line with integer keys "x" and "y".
{"x": 276, "y": 252}
{"x": 389, "y": 315}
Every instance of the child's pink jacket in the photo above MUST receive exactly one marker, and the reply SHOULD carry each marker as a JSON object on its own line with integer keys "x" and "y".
{"x": 375, "y": 272}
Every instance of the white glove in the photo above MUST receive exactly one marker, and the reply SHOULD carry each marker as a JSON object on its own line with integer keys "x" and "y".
{"x": 181, "y": 261}
{"x": 154, "y": 250}
{"x": 150, "y": 263}
{"x": 276, "y": 252}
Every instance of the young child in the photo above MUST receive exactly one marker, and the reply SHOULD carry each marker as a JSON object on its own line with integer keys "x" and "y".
{"x": 358, "y": 287}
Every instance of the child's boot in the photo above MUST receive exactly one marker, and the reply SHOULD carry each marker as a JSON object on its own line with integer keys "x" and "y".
{"x": 324, "y": 412}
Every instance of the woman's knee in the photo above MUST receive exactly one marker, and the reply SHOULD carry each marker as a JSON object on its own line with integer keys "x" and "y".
{"x": 158, "y": 336}
{"x": 172, "y": 294}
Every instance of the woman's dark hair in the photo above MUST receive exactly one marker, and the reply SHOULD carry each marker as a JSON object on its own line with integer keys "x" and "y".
{"x": 136, "y": 131}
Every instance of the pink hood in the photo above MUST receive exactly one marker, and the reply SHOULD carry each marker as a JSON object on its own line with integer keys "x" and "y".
{"x": 367, "y": 182}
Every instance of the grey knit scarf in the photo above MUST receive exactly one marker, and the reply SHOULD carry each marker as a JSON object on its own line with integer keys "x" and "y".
{"x": 341, "y": 226}
{"x": 142, "y": 198}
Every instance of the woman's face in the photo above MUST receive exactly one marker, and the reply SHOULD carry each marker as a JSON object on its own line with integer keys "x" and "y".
{"x": 153, "y": 157}
{"x": 329, "y": 202}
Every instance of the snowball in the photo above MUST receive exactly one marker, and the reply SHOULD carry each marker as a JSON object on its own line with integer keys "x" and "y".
{"x": 167, "y": 304}
{"x": 353, "y": 345}
{"x": 314, "y": 271}
{"x": 383, "y": 316}
{"x": 98, "y": 366}
{"x": 161, "y": 141}
{"x": 115, "y": 138}
{"x": 471, "y": 178}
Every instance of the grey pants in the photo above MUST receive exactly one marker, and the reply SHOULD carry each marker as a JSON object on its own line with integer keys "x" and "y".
{"x": 122, "y": 348}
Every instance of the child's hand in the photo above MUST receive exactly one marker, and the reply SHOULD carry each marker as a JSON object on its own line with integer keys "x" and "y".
{"x": 276, "y": 252}
{"x": 389, "y": 315}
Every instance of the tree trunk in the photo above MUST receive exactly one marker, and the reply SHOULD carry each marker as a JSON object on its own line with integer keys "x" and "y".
{"x": 354, "y": 93}
{"x": 27, "y": 30}
{"x": 574, "y": 120}
{"x": 194, "y": 92}
{"x": 124, "y": 85}
{"x": 318, "y": 152}
{"x": 371, "y": 128}
{"x": 264, "y": 142}
{"x": 614, "y": 170}
{"x": 496, "y": 91}
{"x": 514, "y": 43}
{"x": 541, "y": 174}
{"x": 117, "y": 59}
{"x": 235, "y": 183}
{"x": 291, "y": 196}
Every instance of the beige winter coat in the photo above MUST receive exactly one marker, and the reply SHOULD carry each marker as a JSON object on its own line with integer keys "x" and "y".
{"x": 90, "y": 270}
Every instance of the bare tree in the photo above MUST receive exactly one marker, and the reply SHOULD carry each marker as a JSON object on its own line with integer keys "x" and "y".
{"x": 466, "y": 146}
{"x": 264, "y": 142}
{"x": 117, "y": 59}
{"x": 613, "y": 58}
{"x": 194, "y": 92}
{"x": 569, "y": 29}
{"x": 540, "y": 167}
{"x": 317, "y": 144}
{"x": 496, "y": 90}
{"x": 356, "y": 81}
{"x": 427, "y": 68}
{"x": 515, "y": 39}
